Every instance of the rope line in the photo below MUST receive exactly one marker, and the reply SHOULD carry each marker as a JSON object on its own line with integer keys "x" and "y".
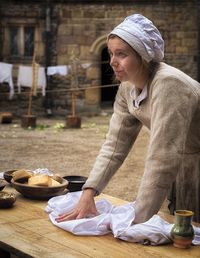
{"x": 67, "y": 90}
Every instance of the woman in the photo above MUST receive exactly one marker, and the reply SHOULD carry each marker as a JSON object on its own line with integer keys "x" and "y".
{"x": 165, "y": 100}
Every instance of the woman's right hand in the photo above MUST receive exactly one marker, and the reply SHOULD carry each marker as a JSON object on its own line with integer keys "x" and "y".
{"x": 85, "y": 207}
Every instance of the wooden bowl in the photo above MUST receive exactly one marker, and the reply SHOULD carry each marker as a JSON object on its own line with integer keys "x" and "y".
{"x": 40, "y": 192}
{"x": 75, "y": 182}
{"x": 7, "y": 200}
{"x": 2, "y": 184}
{"x": 8, "y": 175}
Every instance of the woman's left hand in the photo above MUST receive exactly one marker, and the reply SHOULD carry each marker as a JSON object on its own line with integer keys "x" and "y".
{"x": 85, "y": 207}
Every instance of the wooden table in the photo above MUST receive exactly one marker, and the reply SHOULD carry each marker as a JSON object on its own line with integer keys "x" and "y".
{"x": 26, "y": 231}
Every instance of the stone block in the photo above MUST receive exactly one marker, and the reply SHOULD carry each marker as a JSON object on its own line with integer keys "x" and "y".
{"x": 65, "y": 29}
{"x": 93, "y": 73}
{"x": 92, "y": 96}
{"x": 180, "y": 34}
{"x": 85, "y": 53}
{"x": 93, "y": 14}
{"x": 189, "y": 42}
{"x": 181, "y": 50}
{"x": 77, "y": 30}
{"x": 66, "y": 13}
{"x": 62, "y": 59}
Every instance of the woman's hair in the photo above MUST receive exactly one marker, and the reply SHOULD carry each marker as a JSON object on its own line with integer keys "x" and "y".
{"x": 153, "y": 67}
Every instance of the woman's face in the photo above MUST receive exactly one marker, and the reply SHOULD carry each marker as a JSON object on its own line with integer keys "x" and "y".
{"x": 124, "y": 61}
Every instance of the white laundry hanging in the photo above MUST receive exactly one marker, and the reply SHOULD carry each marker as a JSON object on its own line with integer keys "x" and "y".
{"x": 6, "y": 76}
{"x": 86, "y": 65}
{"x": 59, "y": 69}
{"x": 25, "y": 77}
{"x": 112, "y": 219}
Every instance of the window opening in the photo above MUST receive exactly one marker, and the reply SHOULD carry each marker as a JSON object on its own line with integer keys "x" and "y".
{"x": 14, "y": 40}
{"x": 21, "y": 41}
{"x": 28, "y": 41}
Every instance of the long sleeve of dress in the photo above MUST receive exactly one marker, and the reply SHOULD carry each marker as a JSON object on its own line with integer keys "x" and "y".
{"x": 172, "y": 108}
{"x": 122, "y": 133}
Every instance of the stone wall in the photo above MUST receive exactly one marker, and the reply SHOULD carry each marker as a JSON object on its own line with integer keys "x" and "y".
{"x": 79, "y": 33}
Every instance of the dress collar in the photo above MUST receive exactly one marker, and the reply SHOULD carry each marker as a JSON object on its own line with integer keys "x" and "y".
{"x": 138, "y": 96}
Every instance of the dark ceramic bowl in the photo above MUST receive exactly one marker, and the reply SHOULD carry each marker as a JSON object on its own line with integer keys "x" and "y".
{"x": 8, "y": 175}
{"x": 2, "y": 184}
{"x": 7, "y": 200}
{"x": 75, "y": 183}
{"x": 40, "y": 192}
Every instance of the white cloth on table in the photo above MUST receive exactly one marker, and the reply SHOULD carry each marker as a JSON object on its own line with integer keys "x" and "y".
{"x": 43, "y": 171}
{"x": 25, "y": 77}
{"x": 6, "y": 76}
{"x": 112, "y": 219}
{"x": 59, "y": 69}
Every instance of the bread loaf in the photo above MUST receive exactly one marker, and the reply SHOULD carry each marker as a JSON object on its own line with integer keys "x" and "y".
{"x": 39, "y": 180}
{"x": 21, "y": 175}
{"x": 57, "y": 177}
{"x": 53, "y": 182}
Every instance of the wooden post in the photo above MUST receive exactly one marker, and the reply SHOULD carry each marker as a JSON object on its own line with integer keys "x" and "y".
{"x": 32, "y": 87}
{"x": 73, "y": 103}
{"x": 29, "y": 120}
{"x": 73, "y": 121}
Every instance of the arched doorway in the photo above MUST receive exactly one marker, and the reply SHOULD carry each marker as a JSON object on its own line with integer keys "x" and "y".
{"x": 107, "y": 78}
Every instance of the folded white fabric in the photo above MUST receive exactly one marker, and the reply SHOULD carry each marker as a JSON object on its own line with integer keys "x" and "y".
{"x": 59, "y": 69}
{"x": 112, "y": 219}
{"x": 25, "y": 77}
{"x": 43, "y": 171}
{"x": 6, "y": 76}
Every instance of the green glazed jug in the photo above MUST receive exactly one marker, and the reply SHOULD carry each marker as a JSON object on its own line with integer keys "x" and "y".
{"x": 182, "y": 232}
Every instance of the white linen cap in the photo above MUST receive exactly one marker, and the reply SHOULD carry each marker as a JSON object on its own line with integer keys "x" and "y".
{"x": 141, "y": 34}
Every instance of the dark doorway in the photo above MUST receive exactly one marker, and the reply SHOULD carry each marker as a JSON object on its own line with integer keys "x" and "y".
{"x": 107, "y": 78}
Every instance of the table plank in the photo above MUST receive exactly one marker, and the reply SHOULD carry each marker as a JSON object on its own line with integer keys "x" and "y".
{"x": 26, "y": 231}
{"x": 26, "y": 243}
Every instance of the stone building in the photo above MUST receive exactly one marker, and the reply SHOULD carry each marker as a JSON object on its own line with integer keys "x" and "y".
{"x": 73, "y": 34}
